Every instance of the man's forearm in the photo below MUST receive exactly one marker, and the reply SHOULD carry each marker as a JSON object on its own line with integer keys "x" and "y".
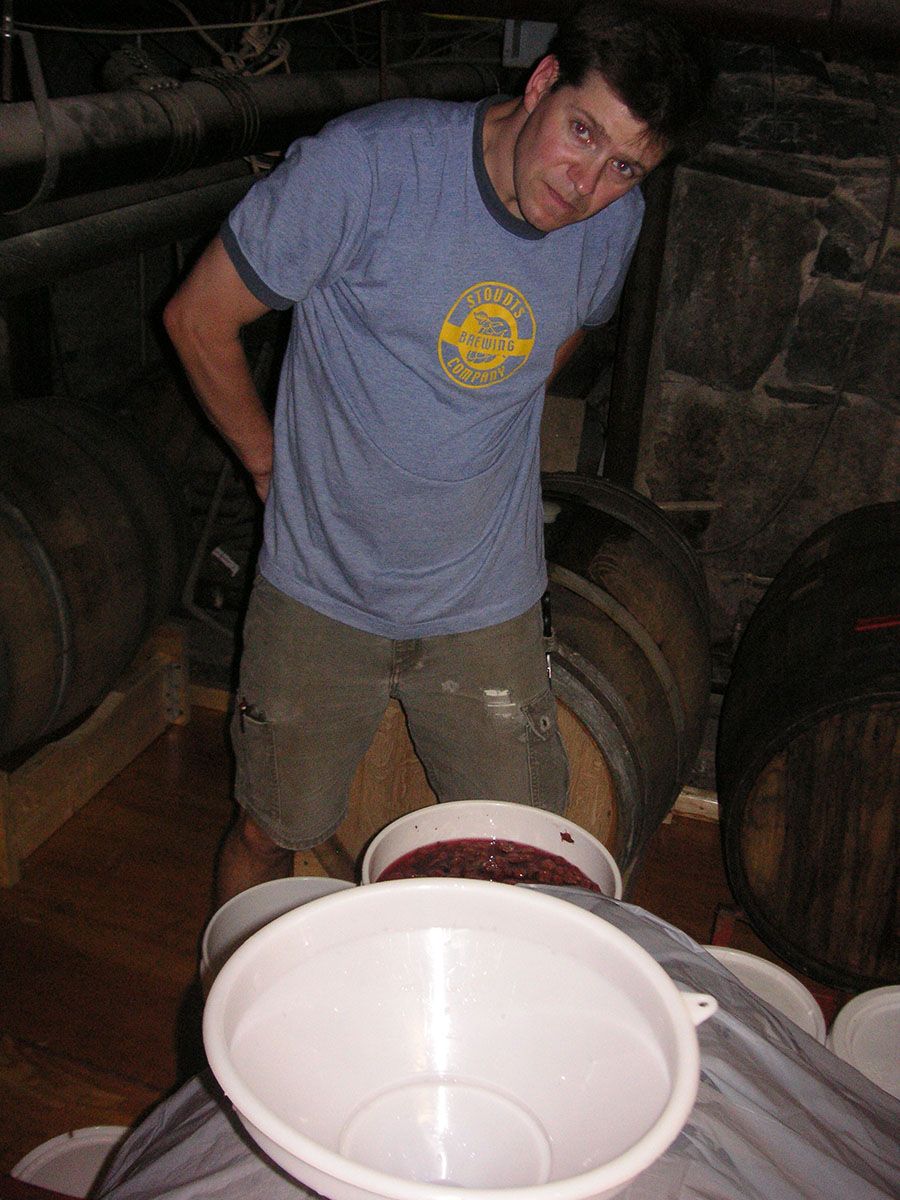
{"x": 221, "y": 379}
{"x": 217, "y": 367}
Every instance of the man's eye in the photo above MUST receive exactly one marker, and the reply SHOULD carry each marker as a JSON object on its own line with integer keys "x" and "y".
{"x": 581, "y": 131}
{"x": 625, "y": 169}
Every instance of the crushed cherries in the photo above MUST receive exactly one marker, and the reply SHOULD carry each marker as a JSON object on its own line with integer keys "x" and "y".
{"x": 487, "y": 858}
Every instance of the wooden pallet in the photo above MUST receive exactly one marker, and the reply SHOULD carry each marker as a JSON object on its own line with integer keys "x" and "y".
{"x": 44, "y": 791}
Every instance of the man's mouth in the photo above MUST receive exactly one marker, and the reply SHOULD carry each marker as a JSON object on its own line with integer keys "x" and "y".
{"x": 561, "y": 205}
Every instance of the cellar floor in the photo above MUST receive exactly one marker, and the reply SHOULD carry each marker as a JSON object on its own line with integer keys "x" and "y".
{"x": 98, "y": 941}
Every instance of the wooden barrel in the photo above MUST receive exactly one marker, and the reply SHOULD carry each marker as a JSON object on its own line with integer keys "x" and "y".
{"x": 93, "y": 544}
{"x": 632, "y": 664}
{"x": 808, "y": 755}
{"x": 630, "y": 672}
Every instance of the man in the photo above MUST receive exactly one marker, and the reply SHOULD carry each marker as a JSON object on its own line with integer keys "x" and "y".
{"x": 438, "y": 258}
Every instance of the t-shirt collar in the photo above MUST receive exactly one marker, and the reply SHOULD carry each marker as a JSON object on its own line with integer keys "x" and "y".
{"x": 492, "y": 201}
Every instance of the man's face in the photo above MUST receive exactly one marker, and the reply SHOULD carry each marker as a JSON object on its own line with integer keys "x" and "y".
{"x": 579, "y": 150}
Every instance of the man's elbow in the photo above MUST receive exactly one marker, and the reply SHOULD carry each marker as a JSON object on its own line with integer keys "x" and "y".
{"x": 189, "y": 329}
{"x": 177, "y": 322}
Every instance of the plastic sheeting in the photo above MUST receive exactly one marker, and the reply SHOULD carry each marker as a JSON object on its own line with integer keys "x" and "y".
{"x": 777, "y": 1115}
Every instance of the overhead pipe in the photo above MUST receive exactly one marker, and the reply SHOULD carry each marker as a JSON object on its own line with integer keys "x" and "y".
{"x": 77, "y": 235}
{"x": 115, "y": 138}
{"x": 73, "y": 208}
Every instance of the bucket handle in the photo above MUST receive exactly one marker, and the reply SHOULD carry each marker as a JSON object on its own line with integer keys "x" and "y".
{"x": 700, "y": 1006}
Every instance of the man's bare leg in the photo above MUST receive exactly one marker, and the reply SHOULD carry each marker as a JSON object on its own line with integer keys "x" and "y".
{"x": 248, "y": 856}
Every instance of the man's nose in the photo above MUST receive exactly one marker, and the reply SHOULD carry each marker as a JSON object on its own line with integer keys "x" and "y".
{"x": 585, "y": 176}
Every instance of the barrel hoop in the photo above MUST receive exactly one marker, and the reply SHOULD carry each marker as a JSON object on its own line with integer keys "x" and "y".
{"x": 825, "y": 553}
{"x": 751, "y": 734}
{"x": 768, "y": 922}
{"x": 638, "y": 634}
{"x": 737, "y": 784}
{"x": 639, "y": 514}
{"x": 36, "y": 552}
{"x": 579, "y": 685}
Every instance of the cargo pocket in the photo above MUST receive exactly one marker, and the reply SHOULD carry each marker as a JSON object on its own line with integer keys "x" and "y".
{"x": 256, "y": 773}
{"x": 548, "y": 763}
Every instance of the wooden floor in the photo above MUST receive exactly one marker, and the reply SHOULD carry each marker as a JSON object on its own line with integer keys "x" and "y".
{"x": 98, "y": 942}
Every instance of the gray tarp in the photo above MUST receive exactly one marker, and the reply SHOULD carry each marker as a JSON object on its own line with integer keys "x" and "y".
{"x": 777, "y": 1116}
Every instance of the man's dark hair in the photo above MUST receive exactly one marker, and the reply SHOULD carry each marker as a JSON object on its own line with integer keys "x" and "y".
{"x": 662, "y": 70}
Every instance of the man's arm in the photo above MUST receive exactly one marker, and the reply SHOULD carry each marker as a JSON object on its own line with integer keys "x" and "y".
{"x": 204, "y": 319}
{"x": 565, "y": 352}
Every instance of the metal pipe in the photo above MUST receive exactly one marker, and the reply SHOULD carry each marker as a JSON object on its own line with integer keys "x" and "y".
{"x": 42, "y": 256}
{"x": 115, "y": 138}
{"x": 75, "y": 208}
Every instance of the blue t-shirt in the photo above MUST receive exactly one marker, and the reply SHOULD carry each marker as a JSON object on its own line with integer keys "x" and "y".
{"x": 406, "y": 489}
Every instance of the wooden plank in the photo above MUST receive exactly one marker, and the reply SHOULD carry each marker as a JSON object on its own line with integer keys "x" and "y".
{"x": 389, "y": 782}
{"x": 309, "y": 863}
{"x": 592, "y": 791}
{"x": 698, "y": 803}
{"x": 215, "y": 698}
{"x": 63, "y": 776}
{"x": 51, "y": 1094}
{"x": 169, "y": 642}
{"x": 90, "y": 982}
{"x": 679, "y": 876}
{"x": 40, "y": 795}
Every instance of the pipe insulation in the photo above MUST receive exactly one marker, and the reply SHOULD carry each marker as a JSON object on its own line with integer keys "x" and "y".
{"x": 43, "y": 256}
{"x": 124, "y": 137}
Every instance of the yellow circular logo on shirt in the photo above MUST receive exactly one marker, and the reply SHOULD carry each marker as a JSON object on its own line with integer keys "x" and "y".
{"x": 487, "y": 335}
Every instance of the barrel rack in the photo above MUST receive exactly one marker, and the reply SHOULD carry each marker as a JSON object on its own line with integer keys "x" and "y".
{"x": 39, "y": 794}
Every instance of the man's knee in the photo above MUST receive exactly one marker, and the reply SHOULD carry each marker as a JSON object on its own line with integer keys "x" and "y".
{"x": 256, "y": 841}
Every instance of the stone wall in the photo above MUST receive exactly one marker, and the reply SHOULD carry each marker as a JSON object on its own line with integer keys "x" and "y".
{"x": 775, "y": 379}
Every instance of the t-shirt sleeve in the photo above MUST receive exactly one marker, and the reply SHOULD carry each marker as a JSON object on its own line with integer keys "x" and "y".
{"x": 621, "y": 238}
{"x": 300, "y": 226}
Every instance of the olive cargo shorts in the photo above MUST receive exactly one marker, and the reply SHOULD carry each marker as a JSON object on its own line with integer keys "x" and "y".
{"x": 313, "y": 691}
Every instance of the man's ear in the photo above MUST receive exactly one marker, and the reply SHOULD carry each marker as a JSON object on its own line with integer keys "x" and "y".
{"x": 541, "y": 80}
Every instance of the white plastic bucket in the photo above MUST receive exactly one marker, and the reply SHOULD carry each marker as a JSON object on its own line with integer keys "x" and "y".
{"x": 71, "y": 1163}
{"x": 250, "y": 910}
{"x": 866, "y": 1034}
{"x": 493, "y": 819}
{"x": 423, "y": 1038}
{"x": 776, "y": 986}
